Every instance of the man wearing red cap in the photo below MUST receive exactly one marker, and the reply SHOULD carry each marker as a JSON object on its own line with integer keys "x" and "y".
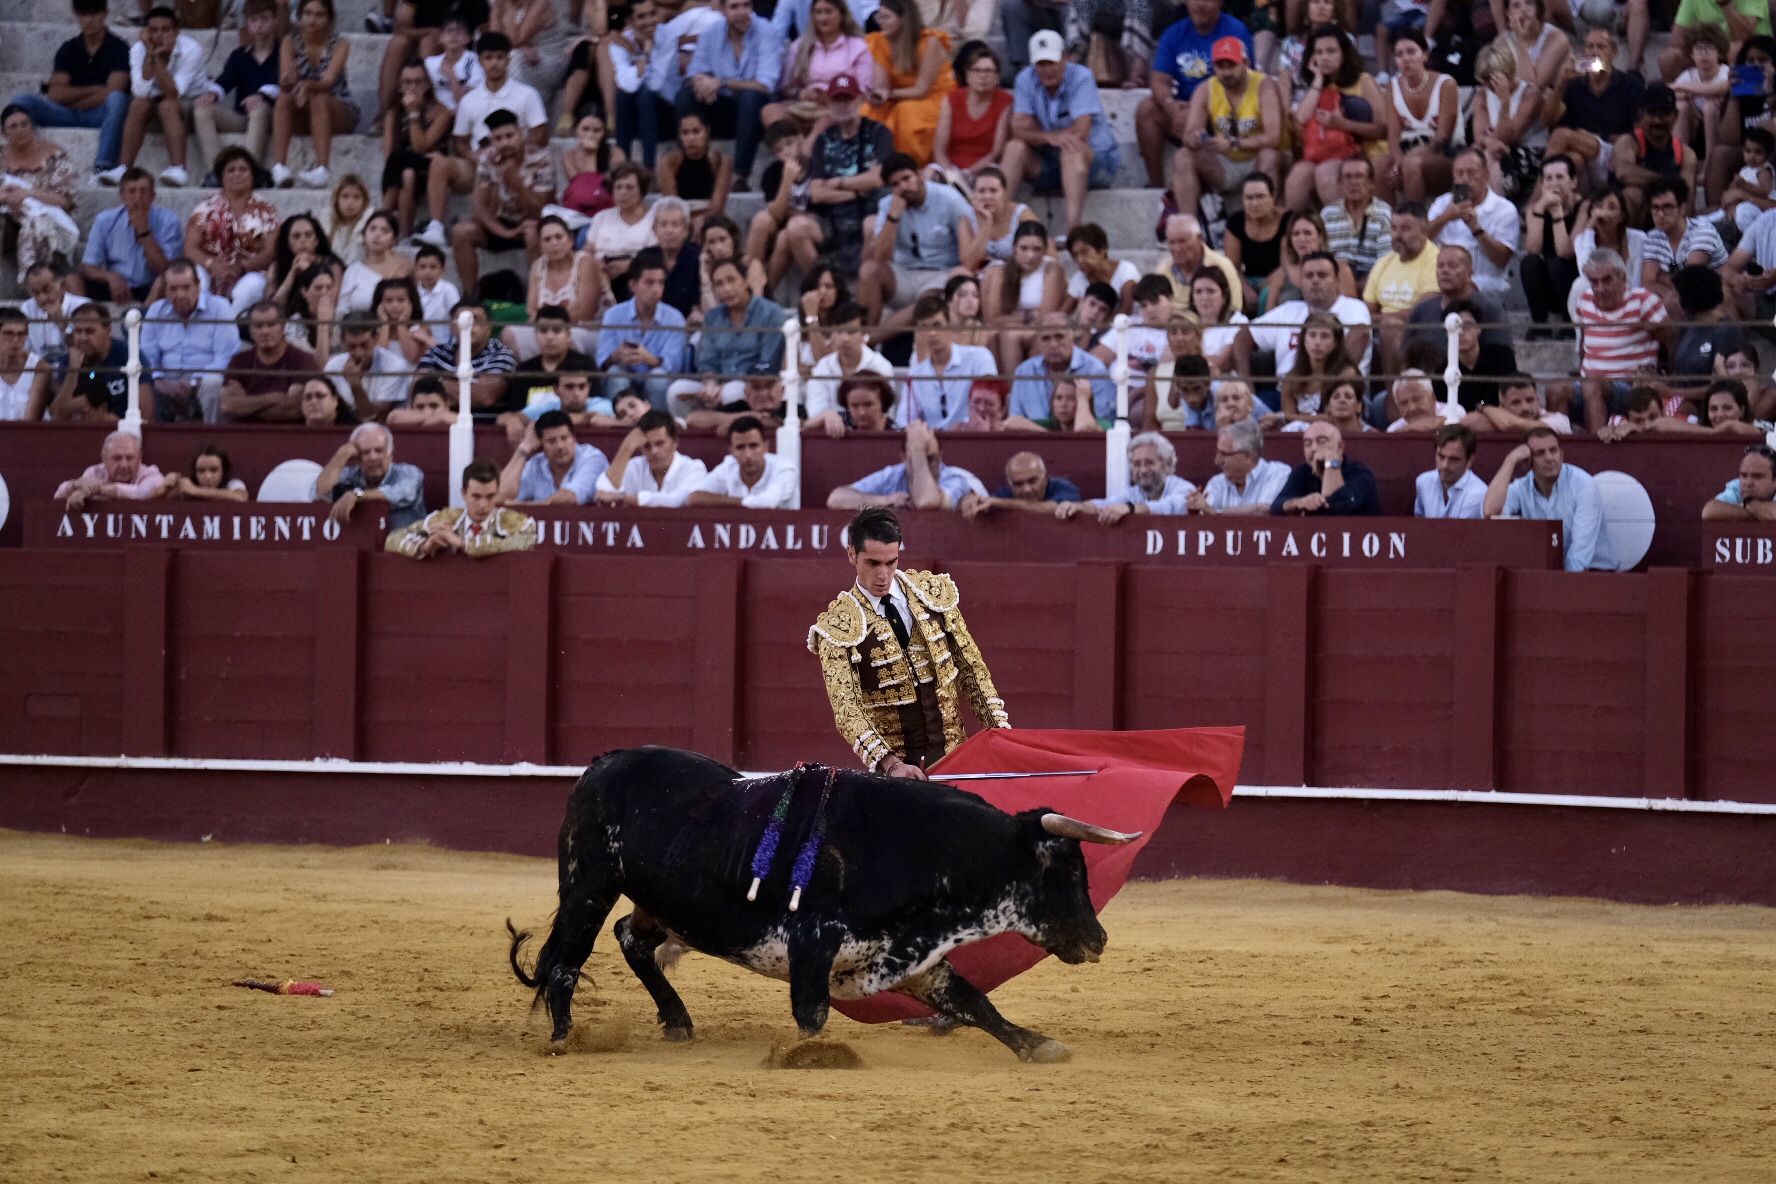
{"x": 845, "y": 178}
{"x": 1235, "y": 128}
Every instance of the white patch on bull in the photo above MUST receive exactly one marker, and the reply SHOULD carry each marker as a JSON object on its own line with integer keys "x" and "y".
{"x": 865, "y": 967}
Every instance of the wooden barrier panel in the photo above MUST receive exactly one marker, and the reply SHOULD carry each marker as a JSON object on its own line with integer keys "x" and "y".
{"x": 1739, "y": 548}
{"x": 1406, "y": 676}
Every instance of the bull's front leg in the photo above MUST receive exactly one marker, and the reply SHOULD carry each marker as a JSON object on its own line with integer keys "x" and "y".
{"x": 811, "y": 953}
{"x": 944, "y": 990}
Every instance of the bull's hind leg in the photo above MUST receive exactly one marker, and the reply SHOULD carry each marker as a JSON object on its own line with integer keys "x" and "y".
{"x": 946, "y": 991}
{"x": 640, "y": 935}
{"x": 577, "y": 923}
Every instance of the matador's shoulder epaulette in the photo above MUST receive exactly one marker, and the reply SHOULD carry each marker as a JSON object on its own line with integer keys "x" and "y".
{"x": 934, "y": 589}
{"x": 843, "y": 624}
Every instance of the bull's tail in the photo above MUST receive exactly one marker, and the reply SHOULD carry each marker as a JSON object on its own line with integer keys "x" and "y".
{"x": 519, "y": 937}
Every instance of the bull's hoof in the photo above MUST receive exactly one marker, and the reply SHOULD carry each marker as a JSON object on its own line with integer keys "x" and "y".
{"x": 1049, "y": 1052}
{"x": 676, "y": 1034}
{"x": 813, "y": 1054}
{"x": 555, "y": 1048}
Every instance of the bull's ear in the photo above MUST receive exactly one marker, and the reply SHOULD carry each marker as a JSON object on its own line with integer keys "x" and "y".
{"x": 1085, "y": 832}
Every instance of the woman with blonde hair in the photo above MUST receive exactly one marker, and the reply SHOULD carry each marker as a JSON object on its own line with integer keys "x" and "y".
{"x": 1508, "y": 127}
{"x": 912, "y": 78}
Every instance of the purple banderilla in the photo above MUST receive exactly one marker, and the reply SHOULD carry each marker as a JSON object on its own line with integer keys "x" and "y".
{"x": 766, "y": 854}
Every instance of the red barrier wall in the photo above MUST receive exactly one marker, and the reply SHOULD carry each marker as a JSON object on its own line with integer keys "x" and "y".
{"x": 1466, "y": 678}
{"x": 1680, "y": 474}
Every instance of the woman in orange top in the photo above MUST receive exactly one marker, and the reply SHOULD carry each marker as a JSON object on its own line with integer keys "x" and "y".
{"x": 911, "y": 80}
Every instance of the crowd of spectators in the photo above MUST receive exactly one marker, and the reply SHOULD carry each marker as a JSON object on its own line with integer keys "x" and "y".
{"x": 1326, "y": 208}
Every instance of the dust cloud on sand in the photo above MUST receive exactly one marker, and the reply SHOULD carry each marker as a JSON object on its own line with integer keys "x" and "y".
{"x": 1233, "y": 1031}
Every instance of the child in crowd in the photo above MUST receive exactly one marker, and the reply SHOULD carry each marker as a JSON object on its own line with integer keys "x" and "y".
{"x": 1753, "y": 189}
{"x": 426, "y": 406}
{"x": 454, "y": 71}
{"x": 242, "y": 96}
{"x": 351, "y": 210}
{"x": 415, "y": 129}
{"x": 437, "y": 295}
{"x": 1704, "y": 85}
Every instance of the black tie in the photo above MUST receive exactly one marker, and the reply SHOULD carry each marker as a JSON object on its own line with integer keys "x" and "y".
{"x": 895, "y": 623}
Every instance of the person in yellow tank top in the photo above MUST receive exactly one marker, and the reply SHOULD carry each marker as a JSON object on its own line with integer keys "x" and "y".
{"x": 1235, "y": 129}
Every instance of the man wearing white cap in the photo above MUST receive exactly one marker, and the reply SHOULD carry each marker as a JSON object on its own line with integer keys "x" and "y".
{"x": 1234, "y": 129}
{"x": 1059, "y": 133}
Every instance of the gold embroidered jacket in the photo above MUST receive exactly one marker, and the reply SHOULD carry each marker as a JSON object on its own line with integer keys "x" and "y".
{"x": 880, "y": 691}
{"x": 505, "y": 530}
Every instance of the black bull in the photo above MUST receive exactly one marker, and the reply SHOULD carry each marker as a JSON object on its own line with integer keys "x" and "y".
{"x": 904, "y": 873}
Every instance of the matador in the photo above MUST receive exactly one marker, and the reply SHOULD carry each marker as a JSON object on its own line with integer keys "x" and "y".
{"x": 894, "y": 650}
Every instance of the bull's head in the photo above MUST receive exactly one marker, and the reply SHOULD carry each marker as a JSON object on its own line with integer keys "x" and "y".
{"x": 1061, "y": 919}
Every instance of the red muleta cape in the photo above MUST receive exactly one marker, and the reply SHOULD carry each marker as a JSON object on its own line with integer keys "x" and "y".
{"x": 1142, "y": 773}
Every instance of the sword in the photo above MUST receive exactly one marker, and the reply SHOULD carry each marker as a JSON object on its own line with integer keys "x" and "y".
{"x": 1009, "y": 776}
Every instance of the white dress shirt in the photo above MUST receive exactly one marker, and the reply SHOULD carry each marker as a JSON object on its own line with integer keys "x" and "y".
{"x": 683, "y": 475}
{"x": 1465, "y": 499}
{"x": 776, "y": 488}
{"x": 1263, "y": 484}
{"x": 1498, "y": 218}
{"x": 823, "y": 384}
{"x": 186, "y": 67}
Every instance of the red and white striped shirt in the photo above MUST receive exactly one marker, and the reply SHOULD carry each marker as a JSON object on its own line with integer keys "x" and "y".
{"x": 1618, "y": 343}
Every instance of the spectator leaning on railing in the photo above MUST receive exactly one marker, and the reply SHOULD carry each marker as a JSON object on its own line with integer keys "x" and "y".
{"x": 364, "y": 469}
{"x": 748, "y": 476}
{"x": 477, "y": 529}
{"x": 1028, "y": 488}
{"x": 1154, "y": 485}
{"x": 550, "y": 467}
{"x": 1247, "y": 483}
{"x": 120, "y": 473}
{"x": 1747, "y": 498}
{"x": 1327, "y": 481}
{"x": 660, "y": 476}
{"x": 921, "y": 481}
{"x": 1553, "y": 490}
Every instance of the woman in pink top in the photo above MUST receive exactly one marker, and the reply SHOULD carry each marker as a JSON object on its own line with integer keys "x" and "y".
{"x": 833, "y": 45}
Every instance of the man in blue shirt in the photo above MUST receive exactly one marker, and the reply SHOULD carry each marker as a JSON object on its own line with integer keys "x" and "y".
{"x": 551, "y": 467}
{"x": 922, "y": 481}
{"x": 131, "y": 244}
{"x": 1059, "y": 132}
{"x": 917, "y": 228}
{"x": 742, "y": 335}
{"x": 188, "y": 339}
{"x": 1180, "y": 65}
{"x": 733, "y": 74}
{"x": 88, "y": 84}
{"x": 1058, "y": 357}
{"x": 1747, "y": 497}
{"x": 643, "y": 340}
{"x": 1551, "y": 491}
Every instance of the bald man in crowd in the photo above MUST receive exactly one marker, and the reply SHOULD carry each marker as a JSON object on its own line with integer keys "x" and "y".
{"x": 1028, "y": 487}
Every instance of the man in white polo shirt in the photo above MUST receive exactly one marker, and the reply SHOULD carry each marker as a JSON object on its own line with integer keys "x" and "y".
{"x": 1279, "y": 330}
{"x": 1471, "y": 215}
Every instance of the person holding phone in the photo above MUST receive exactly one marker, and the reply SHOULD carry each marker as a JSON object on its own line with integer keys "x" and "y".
{"x": 1474, "y": 217}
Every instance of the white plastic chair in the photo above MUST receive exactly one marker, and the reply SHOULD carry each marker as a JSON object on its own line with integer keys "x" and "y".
{"x": 291, "y": 481}
{"x": 1628, "y": 518}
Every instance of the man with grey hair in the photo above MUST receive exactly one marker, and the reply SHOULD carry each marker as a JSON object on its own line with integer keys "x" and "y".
{"x": 120, "y": 473}
{"x": 1190, "y": 252}
{"x": 1247, "y": 483}
{"x": 1154, "y": 486}
{"x": 1416, "y": 400}
{"x": 1623, "y": 330}
{"x": 364, "y": 469}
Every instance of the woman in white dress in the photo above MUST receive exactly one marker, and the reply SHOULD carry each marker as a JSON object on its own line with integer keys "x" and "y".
{"x": 380, "y": 262}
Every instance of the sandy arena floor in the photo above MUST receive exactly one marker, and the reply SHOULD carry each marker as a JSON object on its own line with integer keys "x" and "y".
{"x": 1234, "y": 1031}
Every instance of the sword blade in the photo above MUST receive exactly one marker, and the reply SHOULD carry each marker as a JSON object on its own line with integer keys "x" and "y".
{"x": 1009, "y": 776}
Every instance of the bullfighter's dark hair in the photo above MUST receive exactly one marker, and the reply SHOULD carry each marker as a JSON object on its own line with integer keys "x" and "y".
{"x": 484, "y": 471}
{"x": 876, "y": 523}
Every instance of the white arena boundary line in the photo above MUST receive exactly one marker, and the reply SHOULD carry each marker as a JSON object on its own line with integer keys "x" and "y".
{"x": 467, "y": 769}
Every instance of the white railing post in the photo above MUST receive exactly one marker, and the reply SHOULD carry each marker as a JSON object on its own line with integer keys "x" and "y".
{"x": 1452, "y": 371}
{"x": 789, "y": 436}
{"x": 1117, "y": 438}
{"x": 132, "y": 370}
{"x": 462, "y": 432}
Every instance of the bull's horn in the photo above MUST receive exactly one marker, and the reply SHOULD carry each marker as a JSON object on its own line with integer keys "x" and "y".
{"x": 1085, "y": 832}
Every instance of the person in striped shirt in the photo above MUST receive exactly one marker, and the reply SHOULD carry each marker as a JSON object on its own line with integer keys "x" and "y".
{"x": 1624, "y": 331}
{"x": 1675, "y": 240}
